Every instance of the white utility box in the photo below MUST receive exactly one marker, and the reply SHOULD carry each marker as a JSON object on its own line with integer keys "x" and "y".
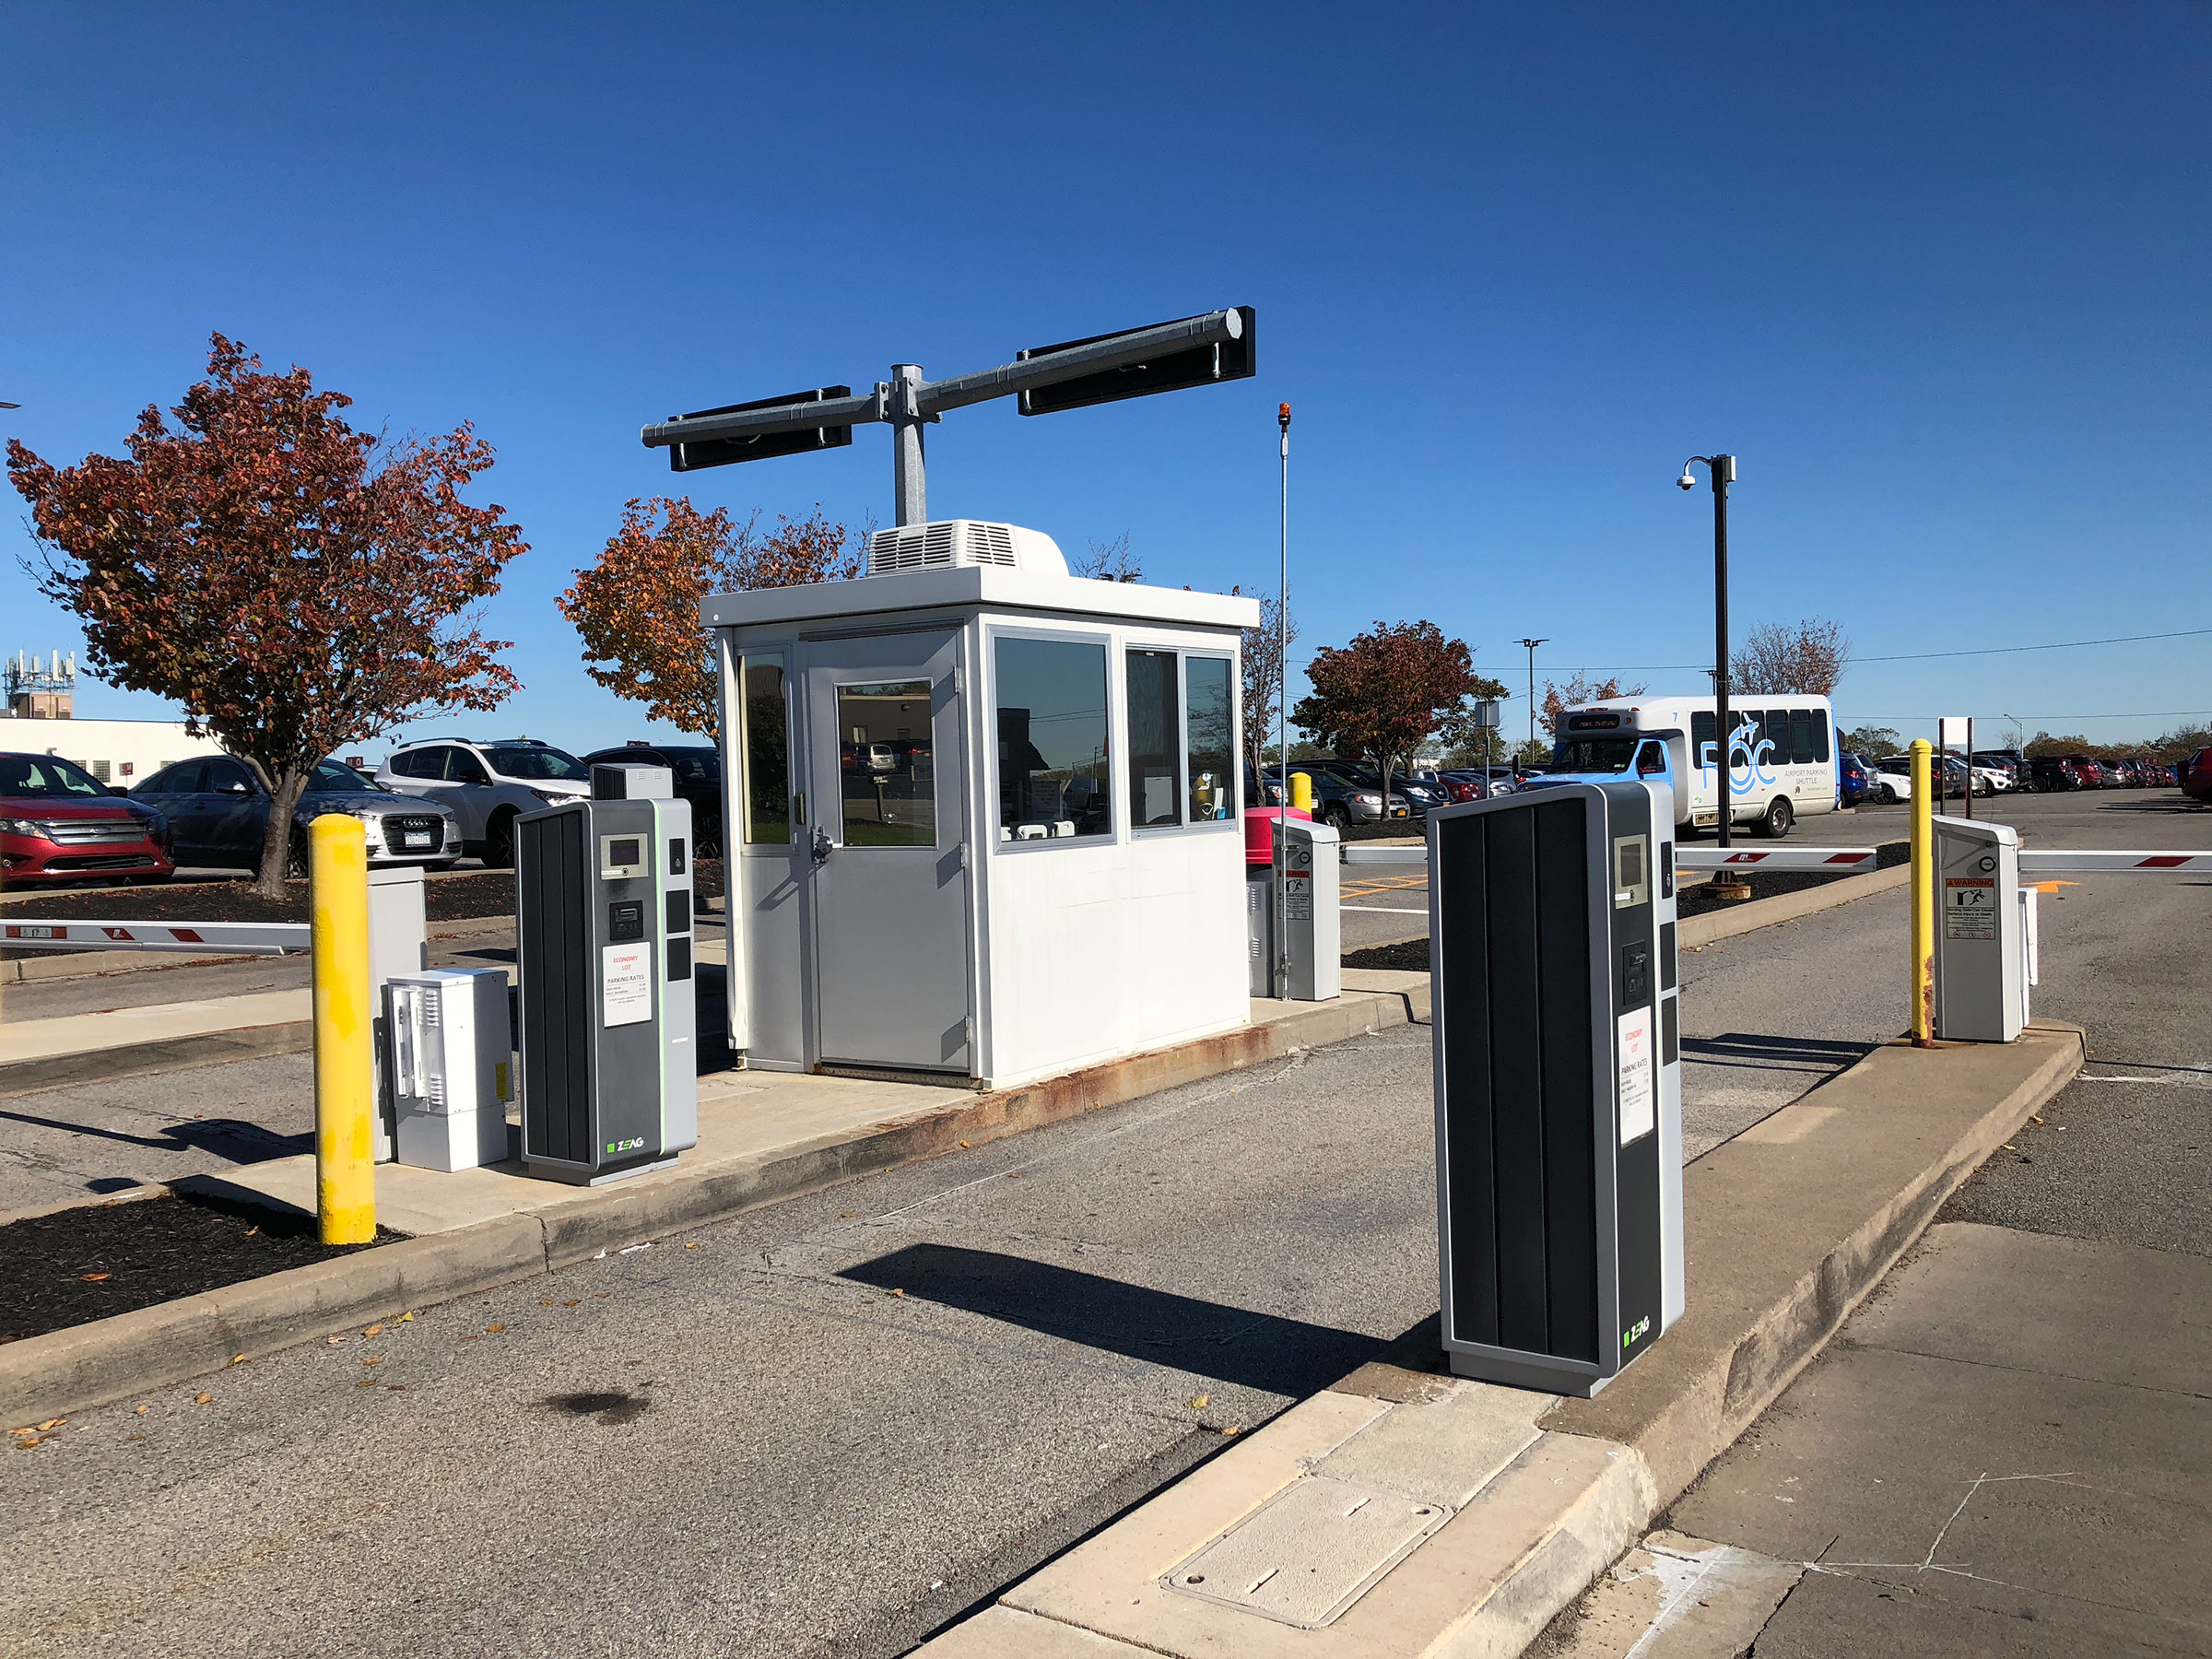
{"x": 451, "y": 1062}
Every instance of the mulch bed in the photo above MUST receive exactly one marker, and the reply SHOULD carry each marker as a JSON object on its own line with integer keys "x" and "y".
{"x": 79, "y": 1264}
{"x": 445, "y": 899}
{"x": 1410, "y": 957}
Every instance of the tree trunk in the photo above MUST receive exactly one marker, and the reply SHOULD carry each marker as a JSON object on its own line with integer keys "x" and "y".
{"x": 285, "y": 790}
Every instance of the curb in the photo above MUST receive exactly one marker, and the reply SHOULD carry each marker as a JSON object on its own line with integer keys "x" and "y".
{"x": 1787, "y": 907}
{"x": 160, "y": 1055}
{"x": 1598, "y": 1472}
{"x": 93, "y": 1364}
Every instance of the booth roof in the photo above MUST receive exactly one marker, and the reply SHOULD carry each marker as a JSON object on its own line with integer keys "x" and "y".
{"x": 990, "y": 585}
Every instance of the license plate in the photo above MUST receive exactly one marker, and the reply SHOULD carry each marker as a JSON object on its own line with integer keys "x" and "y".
{"x": 416, "y": 841}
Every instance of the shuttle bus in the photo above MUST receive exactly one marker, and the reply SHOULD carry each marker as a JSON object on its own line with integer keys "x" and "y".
{"x": 1781, "y": 764}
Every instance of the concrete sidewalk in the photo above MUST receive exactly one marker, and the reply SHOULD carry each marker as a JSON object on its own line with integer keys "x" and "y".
{"x": 1404, "y": 1512}
{"x": 763, "y": 1136}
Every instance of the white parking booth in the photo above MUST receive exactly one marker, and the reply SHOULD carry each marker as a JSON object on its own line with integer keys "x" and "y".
{"x": 983, "y": 815}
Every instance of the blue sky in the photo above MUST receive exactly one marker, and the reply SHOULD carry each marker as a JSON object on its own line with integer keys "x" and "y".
{"x": 1938, "y": 274}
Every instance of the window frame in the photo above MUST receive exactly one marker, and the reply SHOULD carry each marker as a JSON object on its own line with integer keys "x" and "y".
{"x": 740, "y": 797}
{"x": 1117, "y": 740}
{"x": 1183, "y": 654}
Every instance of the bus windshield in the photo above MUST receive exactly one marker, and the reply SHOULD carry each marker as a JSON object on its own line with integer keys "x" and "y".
{"x": 1594, "y": 755}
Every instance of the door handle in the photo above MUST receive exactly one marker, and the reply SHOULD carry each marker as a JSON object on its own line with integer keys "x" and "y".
{"x": 823, "y": 845}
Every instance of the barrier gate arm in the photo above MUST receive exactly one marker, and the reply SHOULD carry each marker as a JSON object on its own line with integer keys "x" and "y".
{"x": 201, "y": 938}
{"x": 1830, "y": 861}
{"x": 2099, "y": 864}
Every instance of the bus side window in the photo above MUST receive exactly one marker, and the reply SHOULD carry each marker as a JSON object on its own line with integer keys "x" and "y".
{"x": 1651, "y": 761}
{"x": 1776, "y": 729}
{"x": 1821, "y": 748}
{"x": 1704, "y": 732}
{"x": 1801, "y": 737}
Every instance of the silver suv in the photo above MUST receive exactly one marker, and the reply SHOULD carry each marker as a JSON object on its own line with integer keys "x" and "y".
{"x": 486, "y": 785}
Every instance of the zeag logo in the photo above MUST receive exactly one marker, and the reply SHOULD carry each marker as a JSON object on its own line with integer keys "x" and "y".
{"x": 633, "y": 1143}
{"x": 1629, "y": 1337}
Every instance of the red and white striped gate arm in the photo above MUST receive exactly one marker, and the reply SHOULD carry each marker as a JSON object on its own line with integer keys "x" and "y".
{"x": 201, "y": 938}
{"x": 1829, "y": 860}
{"x": 2100, "y": 864}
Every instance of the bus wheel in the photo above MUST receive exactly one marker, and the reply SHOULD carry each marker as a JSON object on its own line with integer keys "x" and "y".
{"x": 1776, "y": 824}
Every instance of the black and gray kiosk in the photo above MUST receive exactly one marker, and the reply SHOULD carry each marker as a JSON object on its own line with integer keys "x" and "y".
{"x": 1559, "y": 1102}
{"x": 604, "y": 957}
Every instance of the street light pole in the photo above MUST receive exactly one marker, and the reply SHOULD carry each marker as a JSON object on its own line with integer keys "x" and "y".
{"x": 1723, "y": 468}
{"x": 1282, "y": 729}
{"x": 1532, "y": 645}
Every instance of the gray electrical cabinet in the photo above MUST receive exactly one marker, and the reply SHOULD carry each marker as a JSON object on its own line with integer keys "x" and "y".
{"x": 1308, "y": 909}
{"x": 1983, "y": 967}
{"x": 1559, "y": 1101}
{"x": 609, "y": 1013}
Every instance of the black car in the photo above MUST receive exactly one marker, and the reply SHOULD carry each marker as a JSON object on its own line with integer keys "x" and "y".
{"x": 698, "y": 769}
{"x": 218, "y": 813}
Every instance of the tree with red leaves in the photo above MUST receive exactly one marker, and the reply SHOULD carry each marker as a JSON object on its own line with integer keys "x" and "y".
{"x": 637, "y": 607}
{"x": 294, "y": 584}
{"x": 1383, "y": 694}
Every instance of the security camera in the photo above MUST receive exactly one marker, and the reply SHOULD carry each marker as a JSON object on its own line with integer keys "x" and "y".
{"x": 1686, "y": 481}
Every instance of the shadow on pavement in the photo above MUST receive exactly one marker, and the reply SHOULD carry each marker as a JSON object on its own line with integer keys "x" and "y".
{"x": 1765, "y": 1054}
{"x": 1231, "y": 1345}
{"x": 232, "y": 1139}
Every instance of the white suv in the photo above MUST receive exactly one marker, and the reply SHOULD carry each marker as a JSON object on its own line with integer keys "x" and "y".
{"x": 488, "y": 785}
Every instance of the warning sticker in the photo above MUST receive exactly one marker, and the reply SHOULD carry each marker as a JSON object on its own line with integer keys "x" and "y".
{"x": 1639, "y": 1111}
{"x": 1970, "y": 907}
{"x": 1297, "y": 897}
{"x": 625, "y": 985}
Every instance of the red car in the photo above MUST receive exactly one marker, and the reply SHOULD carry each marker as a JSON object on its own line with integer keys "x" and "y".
{"x": 59, "y": 823}
{"x": 2196, "y": 776}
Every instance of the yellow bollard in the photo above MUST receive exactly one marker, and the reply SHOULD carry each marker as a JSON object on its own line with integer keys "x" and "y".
{"x": 1302, "y": 791}
{"x": 345, "y": 1052}
{"x": 1924, "y": 897}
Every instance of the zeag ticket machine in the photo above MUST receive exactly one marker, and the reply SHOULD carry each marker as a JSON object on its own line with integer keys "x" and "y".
{"x": 609, "y": 1014}
{"x": 1559, "y": 1097}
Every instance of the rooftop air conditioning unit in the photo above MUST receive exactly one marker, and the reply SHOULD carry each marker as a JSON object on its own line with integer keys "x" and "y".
{"x": 952, "y": 542}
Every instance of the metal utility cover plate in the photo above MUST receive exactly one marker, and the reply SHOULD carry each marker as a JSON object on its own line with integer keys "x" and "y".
{"x": 1309, "y": 1552}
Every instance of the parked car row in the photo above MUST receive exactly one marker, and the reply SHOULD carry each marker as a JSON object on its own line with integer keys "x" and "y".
{"x": 431, "y": 803}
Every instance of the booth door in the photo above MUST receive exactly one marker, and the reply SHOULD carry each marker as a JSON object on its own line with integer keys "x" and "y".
{"x": 887, "y": 824}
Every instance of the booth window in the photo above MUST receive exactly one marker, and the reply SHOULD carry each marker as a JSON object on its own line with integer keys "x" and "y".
{"x": 887, "y": 775}
{"x": 1052, "y": 766}
{"x": 766, "y": 754}
{"x": 1154, "y": 749}
{"x": 1210, "y": 738}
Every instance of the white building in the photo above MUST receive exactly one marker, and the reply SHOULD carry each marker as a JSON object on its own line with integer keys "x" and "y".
{"x": 982, "y": 815}
{"x": 122, "y": 752}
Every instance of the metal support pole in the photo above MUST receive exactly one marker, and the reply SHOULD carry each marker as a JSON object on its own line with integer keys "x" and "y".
{"x": 909, "y": 488}
{"x": 344, "y": 1042}
{"x": 1970, "y": 769}
{"x": 1532, "y": 645}
{"x": 1723, "y": 468}
{"x": 1923, "y": 899}
{"x": 1282, "y": 728}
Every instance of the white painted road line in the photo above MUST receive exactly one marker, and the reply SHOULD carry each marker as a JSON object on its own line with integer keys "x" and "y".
{"x": 1384, "y": 910}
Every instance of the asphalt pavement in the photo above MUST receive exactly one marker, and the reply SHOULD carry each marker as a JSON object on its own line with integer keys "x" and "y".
{"x": 830, "y": 1425}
